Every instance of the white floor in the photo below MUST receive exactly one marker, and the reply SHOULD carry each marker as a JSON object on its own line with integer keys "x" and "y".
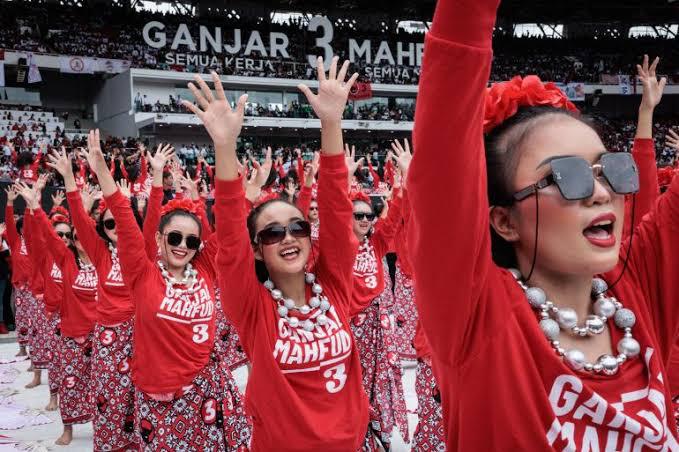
{"x": 37, "y": 398}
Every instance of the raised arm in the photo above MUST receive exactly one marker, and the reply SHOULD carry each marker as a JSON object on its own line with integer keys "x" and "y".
{"x": 93, "y": 244}
{"x": 155, "y": 201}
{"x": 13, "y": 239}
{"x": 337, "y": 242}
{"x": 235, "y": 258}
{"x": 133, "y": 260}
{"x": 450, "y": 158}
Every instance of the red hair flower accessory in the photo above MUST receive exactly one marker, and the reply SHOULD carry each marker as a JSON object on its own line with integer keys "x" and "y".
{"x": 102, "y": 207}
{"x": 265, "y": 198}
{"x": 59, "y": 210}
{"x": 360, "y": 196}
{"x": 665, "y": 176}
{"x": 179, "y": 204}
{"x": 59, "y": 218}
{"x": 504, "y": 99}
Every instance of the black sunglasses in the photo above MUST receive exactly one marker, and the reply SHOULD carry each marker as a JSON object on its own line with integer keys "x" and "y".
{"x": 276, "y": 233}
{"x": 358, "y": 216}
{"x": 175, "y": 238}
{"x": 110, "y": 224}
{"x": 66, "y": 235}
{"x": 574, "y": 176}
{"x": 313, "y": 208}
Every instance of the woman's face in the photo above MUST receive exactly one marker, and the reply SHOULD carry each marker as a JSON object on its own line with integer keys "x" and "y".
{"x": 64, "y": 232}
{"x": 362, "y": 227}
{"x": 110, "y": 233}
{"x": 313, "y": 211}
{"x": 177, "y": 256}
{"x": 568, "y": 242}
{"x": 290, "y": 255}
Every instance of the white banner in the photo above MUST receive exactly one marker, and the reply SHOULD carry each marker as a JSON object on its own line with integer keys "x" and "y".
{"x": 33, "y": 71}
{"x": 2, "y": 73}
{"x": 624, "y": 84}
{"x": 77, "y": 65}
{"x": 574, "y": 90}
{"x": 112, "y": 66}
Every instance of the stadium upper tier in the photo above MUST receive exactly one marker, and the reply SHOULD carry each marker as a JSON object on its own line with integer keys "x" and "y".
{"x": 251, "y": 46}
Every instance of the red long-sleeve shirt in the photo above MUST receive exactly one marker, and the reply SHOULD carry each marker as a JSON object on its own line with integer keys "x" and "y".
{"x": 304, "y": 200}
{"x": 173, "y": 332}
{"x": 36, "y": 280}
{"x": 151, "y": 221}
{"x": 51, "y": 273}
{"x": 305, "y": 390}
{"x": 643, "y": 151}
{"x": 492, "y": 361}
{"x": 139, "y": 184}
{"x": 21, "y": 267}
{"x": 368, "y": 267}
{"x": 78, "y": 309}
{"x": 115, "y": 304}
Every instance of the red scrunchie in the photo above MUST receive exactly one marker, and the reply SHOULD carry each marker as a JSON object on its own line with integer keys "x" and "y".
{"x": 59, "y": 218}
{"x": 360, "y": 196}
{"x": 59, "y": 210}
{"x": 504, "y": 99}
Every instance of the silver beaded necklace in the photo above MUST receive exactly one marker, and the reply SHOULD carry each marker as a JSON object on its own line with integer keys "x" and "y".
{"x": 554, "y": 319}
{"x": 317, "y": 301}
{"x": 190, "y": 279}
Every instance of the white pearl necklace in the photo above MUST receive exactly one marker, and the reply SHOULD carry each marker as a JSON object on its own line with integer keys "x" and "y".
{"x": 318, "y": 301}
{"x": 190, "y": 279}
{"x": 554, "y": 319}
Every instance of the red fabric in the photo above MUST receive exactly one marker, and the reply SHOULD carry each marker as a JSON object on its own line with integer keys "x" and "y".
{"x": 152, "y": 220}
{"x": 300, "y": 170}
{"x": 79, "y": 306}
{"x": 304, "y": 200}
{"x": 361, "y": 90}
{"x": 325, "y": 392}
{"x": 29, "y": 173}
{"x": 21, "y": 267}
{"x": 173, "y": 334}
{"x": 114, "y": 303}
{"x": 375, "y": 176}
{"x": 486, "y": 344}
{"x": 139, "y": 184}
{"x": 51, "y": 274}
{"x": 36, "y": 280}
{"x": 81, "y": 177}
{"x": 643, "y": 151}
{"x": 368, "y": 267}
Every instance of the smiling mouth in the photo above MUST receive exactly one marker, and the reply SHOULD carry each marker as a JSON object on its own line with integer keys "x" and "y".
{"x": 179, "y": 254}
{"x": 290, "y": 254}
{"x": 600, "y": 233}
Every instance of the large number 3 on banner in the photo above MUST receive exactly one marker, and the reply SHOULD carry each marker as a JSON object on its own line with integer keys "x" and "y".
{"x": 322, "y": 42}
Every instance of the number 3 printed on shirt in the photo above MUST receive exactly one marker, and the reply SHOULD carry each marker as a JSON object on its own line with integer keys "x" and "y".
{"x": 200, "y": 333}
{"x": 371, "y": 282}
{"x": 337, "y": 377}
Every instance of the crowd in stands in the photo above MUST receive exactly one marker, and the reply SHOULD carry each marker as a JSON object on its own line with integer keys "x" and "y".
{"x": 117, "y": 34}
{"x": 372, "y": 111}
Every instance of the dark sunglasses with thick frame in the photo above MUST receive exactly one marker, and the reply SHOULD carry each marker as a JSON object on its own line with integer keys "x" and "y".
{"x": 574, "y": 176}
{"x": 360, "y": 216}
{"x": 175, "y": 238}
{"x": 66, "y": 235}
{"x": 110, "y": 224}
{"x": 270, "y": 235}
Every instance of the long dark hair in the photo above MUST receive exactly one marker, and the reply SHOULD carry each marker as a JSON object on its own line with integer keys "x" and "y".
{"x": 71, "y": 247}
{"x": 502, "y": 146}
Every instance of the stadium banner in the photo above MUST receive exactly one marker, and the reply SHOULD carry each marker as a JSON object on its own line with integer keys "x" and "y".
{"x": 2, "y": 73}
{"x": 77, "y": 65}
{"x": 625, "y": 85}
{"x": 194, "y": 46}
{"x": 33, "y": 71}
{"x": 112, "y": 66}
{"x": 575, "y": 91}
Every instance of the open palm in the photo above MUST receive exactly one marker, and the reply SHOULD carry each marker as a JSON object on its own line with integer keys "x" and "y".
{"x": 332, "y": 94}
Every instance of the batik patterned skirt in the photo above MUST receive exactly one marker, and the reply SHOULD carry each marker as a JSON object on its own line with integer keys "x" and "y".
{"x": 429, "y": 434}
{"x": 76, "y": 395}
{"x": 113, "y": 388}
{"x": 54, "y": 352}
{"x": 22, "y": 317}
{"x": 207, "y": 416}
{"x": 234, "y": 356}
{"x": 405, "y": 315}
{"x": 374, "y": 335}
{"x": 40, "y": 334}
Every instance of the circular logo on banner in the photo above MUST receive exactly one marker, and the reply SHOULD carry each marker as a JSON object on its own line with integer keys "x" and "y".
{"x": 77, "y": 64}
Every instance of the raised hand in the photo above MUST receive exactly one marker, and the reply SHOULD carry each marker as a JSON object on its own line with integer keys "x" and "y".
{"x": 222, "y": 123}
{"x": 672, "y": 139}
{"x": 29, "y": 194}
{"x": 188, "y": 185}
{"x": 41, "y": 182}
{"x": 333, "y": 91}
{"x": 93, "y": 155}
{"x": 61, "y": 162}
{"x": 124, "y": 188}
{"x": 263, "y": 169}
{"x": 3, "y": 228}
{"x": 252, "y": 189}
{"x": 58, "y": 198}
{"x": 653, "y": 88}
{"x": 350, "y": 159}
{"x": 11, "y": 193}
{"x": 403, "y": 156}
{"x": 160, "y": 158}
{"x": 316, "y": 163}
{"x": 89, "y": 195}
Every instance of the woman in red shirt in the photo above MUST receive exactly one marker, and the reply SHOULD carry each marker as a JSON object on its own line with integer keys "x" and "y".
{"x": 78, "y": 316}
{"x": 113, "y": 388}
{"x": 185, "y": 395}
{"x": 304, "y": 391}
{"x": 20, "y": 271}
{"x": 512, "y": 338}
{"x": 371, "y": 323}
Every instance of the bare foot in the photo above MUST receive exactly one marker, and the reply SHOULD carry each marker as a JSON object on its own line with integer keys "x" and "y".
{"x": 22, "y": 351}
{"x": 30, "y": 368}
{"x": 37, "y": 374}
{"x": 53, "y": 405}
{"x": 66, "y": 437}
